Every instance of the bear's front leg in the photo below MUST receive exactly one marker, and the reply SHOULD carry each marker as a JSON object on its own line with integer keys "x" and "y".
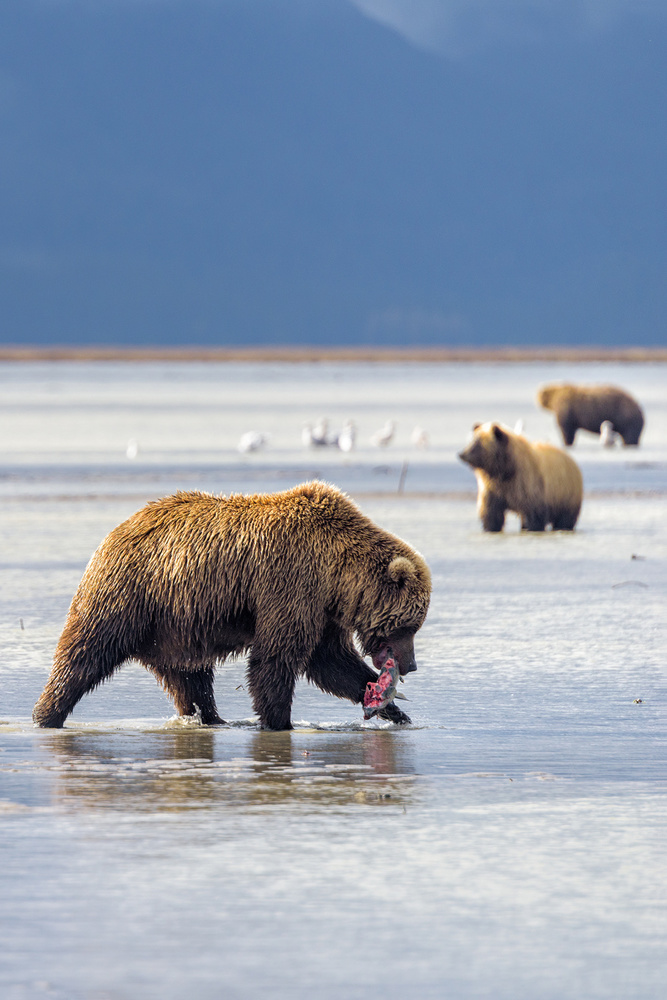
{"x": 491, "y": 509}
{"x": 337, "y": 668}
{"x": 568, "y": 427}
{"x": 271, "y": 682}
{"x": 393, "y": 713}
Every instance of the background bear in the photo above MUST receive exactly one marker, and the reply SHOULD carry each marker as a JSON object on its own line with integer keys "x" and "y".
{"x": 194, "y": 578}
{"x": 586, "y": 407}
{"x": 535, "y": 480}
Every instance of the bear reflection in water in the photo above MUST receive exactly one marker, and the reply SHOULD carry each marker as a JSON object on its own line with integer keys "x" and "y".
{"x": 187, "y": 770}
{"x": 292, "y": 577}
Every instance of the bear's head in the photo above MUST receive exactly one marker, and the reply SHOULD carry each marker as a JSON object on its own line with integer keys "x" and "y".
{"x": 392, "y": 611}
{"x": 491, "y": 450}
{"x": 548, "y": 395}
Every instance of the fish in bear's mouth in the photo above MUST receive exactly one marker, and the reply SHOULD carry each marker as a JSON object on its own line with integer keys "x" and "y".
{"x": 380, "y": 693}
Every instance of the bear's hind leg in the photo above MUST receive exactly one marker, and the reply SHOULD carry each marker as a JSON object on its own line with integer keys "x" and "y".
{"x": 191, "y": 691}
{"x": 82, "y": 661}
{"x": 534, "y": 520}
{"x": 631, "y": 432}
{"x": 565, "y": 520}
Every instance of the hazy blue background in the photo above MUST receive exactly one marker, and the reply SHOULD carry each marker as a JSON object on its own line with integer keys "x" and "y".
{"x": 290, "y": 172}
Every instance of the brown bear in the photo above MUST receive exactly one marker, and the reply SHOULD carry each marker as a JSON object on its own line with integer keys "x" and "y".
{"x": 194, "y": 578}
{"x": 587, "y": 407}
{"x": 535, "y": 480}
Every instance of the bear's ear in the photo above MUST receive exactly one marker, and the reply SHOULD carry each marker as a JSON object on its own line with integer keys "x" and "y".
{"x": 400, "y": 570}
{"x": 476, "y": 427}
{"x": 499, "y": 434}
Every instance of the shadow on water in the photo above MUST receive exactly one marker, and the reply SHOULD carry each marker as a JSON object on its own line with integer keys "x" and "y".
{"x": 199, "y": 768}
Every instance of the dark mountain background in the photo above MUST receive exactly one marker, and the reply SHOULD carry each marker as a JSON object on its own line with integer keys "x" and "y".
{"x": 267, "y": 172}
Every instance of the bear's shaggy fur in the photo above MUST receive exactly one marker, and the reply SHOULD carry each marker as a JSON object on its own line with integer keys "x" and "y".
{"x": 194, "y": 578}
{"x": 535, "y": 480}
{"x": 587, "y": 407}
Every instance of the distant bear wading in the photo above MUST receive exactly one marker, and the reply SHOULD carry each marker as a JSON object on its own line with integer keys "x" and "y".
{"x": 587, "y": 407}
{"x": 540, "y": 483}
{"x": 193, "y": 578}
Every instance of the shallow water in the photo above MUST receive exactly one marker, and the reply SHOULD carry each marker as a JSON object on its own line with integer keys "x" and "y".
{"x": 509, "y": 844}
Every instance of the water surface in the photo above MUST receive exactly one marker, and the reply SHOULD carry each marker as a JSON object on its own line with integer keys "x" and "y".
{"x": 509, "y": 844}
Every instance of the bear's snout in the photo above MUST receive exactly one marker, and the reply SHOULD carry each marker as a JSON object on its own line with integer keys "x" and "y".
{"x": 408, "y": 668}
{"x": 471, "y": 455}
{"x": 403, "y": 652}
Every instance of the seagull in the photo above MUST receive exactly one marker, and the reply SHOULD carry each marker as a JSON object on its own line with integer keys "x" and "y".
{"x": 252, "y": 441}
{"x": 518, "y": 427}
{"x": 347, "y": 437}
{"x": 383, "y": 437}
{"x": 608, "y": 435}
{"x": 132, "y": 449}
{"x": 316, "y": 437}
{"x": 419, "y": 438}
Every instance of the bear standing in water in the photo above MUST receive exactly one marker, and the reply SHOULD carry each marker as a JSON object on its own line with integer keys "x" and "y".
{"x": 535, "y": 480}
{"x": 587, "y": 407}
{"x": 194, "y": 578}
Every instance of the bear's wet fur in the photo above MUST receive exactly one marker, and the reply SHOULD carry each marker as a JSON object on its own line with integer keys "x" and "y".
{"x": 587, "y": 407}
{"x": 193, "y": 578}
{"x": 540, "y": 483}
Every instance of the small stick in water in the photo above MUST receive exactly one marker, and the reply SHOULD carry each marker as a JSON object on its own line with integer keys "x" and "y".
{"x": 404, "y": 472}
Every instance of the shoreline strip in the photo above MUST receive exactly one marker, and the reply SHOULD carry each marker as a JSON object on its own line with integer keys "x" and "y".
{"x": 305, "y": 355}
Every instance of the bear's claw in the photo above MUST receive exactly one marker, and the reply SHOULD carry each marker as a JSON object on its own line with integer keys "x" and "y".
{"x": 393, "y": 714}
